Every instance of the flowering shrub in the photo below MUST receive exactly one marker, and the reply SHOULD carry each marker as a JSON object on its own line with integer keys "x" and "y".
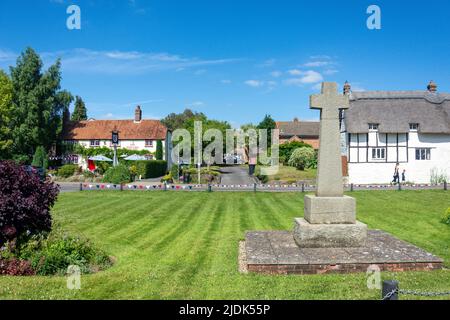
{"x": 25, "y": 202}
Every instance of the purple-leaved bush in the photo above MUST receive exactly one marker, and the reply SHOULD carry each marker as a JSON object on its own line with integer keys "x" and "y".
{"x": 25, "y": 202}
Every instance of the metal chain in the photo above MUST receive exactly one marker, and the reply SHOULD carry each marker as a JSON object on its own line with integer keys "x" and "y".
{"x": 424, "y": 294}
{"x": 389, "y": 294}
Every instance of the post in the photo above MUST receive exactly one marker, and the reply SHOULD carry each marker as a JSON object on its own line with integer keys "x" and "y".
{"x": 209, "y": 187}
{"x": 399, "y": 186}
{"x": 303, "y": 187}
{"x": 445, "y": 185}
{"x": 351, "y": 187}
{"x": 254, "y": 187}
{"x": 165, "y": 186}
{"x": 388, "y": 287}
{"x": 121, "y": 187}
{"x": 81, "y": 187}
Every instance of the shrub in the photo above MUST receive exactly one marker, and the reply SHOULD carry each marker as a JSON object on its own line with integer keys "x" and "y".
{"x": 16, "y": 267}
{"x": 159, "y": 150}
{"x": 438, "y": 176}
{"x": 151, "y": 169}
{"x": 25, "y": 202}
{"x": 52, "y": 255}
{"x": 446, "y": 217}
{"x": 301, "y": 158}
{"x": 119, "y": 174}
{"x": 40, "y": 158}
{"x": 287, "y": 148}
{"x": 67, "y": 170}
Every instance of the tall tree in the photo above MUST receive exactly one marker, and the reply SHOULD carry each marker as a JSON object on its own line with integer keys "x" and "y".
{"x": 38, "y": 105}
{"x": 80, "y": 111}
{"x": 269, "y": 124}
{"x": 159, "y": 150}
{"x": 6, "y": 109}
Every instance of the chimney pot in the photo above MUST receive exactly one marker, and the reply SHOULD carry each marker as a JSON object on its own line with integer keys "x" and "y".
{"x": 347, "y": 88}
{"x": 432, "y": 86}
{"x": 138, "y": 114}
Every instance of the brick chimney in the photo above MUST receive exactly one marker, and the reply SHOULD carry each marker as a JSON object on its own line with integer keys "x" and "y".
{"x": 432, "y": 86}
{"x": 138, "y": 114}
{"x": 347, "y": 88}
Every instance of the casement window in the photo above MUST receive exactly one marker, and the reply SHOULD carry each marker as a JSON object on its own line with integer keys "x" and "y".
{"x": 413, "y": 126}
{"x": 95, "y": 143}
{"x": 379, "y": 153}
{"x": 149, "y": 143}
{"x": 423, "y": 154}
{"x": 373, "y": 126}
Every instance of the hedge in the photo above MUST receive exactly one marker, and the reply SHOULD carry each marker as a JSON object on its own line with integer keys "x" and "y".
{"x": 151, "y": 169}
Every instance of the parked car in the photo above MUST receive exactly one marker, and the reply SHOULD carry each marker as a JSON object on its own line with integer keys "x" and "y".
{"x": 35, "y": 170}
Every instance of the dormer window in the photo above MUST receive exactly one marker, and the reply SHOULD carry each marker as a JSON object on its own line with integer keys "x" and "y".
{"x": 413, "y": 127}
{"x": 373, "y": 126}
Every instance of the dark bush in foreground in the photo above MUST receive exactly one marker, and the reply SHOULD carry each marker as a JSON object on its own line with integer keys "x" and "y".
{"x": 16, "y": 267}
{"x": 25, "y": 202}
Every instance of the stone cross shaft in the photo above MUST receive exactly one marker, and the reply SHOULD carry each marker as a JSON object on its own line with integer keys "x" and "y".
{"x": 329, "y": 171}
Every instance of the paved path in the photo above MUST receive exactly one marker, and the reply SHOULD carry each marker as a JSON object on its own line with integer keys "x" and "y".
{"x": 234, "y": 175}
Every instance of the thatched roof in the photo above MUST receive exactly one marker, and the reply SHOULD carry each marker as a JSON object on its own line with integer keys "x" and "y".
{"x": 395, "y": 110}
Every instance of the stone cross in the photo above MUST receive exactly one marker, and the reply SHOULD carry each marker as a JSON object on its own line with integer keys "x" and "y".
{"x": 329, "y": 171}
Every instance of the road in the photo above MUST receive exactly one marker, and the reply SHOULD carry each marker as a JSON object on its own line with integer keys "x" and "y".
{"x": 236, "y": 175}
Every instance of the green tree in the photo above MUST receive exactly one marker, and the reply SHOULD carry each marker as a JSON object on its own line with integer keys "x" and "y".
{"x": 40, "y": 158}
{"x": 269, "y": 124}
{"x": 6, "y": 111}
{"x": 302, "y": 157}
{"x": 38, "y": 105}
{"x": 287, "y": 148}
{"x": 80, "y": 111}
{"x": 159, "y": 150}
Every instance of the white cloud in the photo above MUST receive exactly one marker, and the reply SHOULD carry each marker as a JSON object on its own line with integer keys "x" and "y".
{"x": 196, "y": 104}
{"x": 276, "y": 74}
{"x": 295, "y": 72}
{"x": 267, "y": 63}
{"x": 225, "y": 81}
{"x": 126, "y": 62}
{"x": 315, "y": 64}
{"x": 307, "y": 77}
{"x": 200, "y": 72}
{"x": 254, "y": 83}
{"x": 330, "y": 72}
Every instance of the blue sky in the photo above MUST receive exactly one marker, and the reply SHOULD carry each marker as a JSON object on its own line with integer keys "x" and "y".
{"x": 234, "y": 60}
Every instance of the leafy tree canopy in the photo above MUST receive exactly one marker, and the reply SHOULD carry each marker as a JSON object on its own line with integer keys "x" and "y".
{"x": 80, "y": 111}
{"x": 6, "y": 112}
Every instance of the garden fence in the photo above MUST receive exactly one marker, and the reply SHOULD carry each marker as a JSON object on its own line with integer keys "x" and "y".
{"x": 302, "y": 187}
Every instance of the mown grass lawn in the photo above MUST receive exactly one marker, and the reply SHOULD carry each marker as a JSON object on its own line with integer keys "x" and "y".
{"x": 289, "y": 174}
{"x": 185, "y": 245}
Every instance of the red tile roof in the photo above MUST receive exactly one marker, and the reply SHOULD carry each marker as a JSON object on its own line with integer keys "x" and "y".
{"x": 128, "y": 130}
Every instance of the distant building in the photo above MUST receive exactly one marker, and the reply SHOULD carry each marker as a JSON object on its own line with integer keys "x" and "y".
{"x": 137, "y": 134}
{"x": 305, "y": 131}
{"x": 383, "y": 128}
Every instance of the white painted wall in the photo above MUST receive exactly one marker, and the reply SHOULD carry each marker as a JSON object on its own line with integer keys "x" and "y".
{"x": 417, "y": 171}
{"x": 124, "y": 144}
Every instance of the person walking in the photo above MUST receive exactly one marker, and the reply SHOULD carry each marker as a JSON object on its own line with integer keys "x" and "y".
{"x": 396, "y": 174}
{"x": 404, "y": 176}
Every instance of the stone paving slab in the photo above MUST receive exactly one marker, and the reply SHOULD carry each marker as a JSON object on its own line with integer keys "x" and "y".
{"x": 277, "y": 252}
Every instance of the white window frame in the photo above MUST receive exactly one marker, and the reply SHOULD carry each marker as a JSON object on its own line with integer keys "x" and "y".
{"x": 414, "y": 127}
{"x": 423, "y": 154}
{"x": 379, "y": 153}
{"x": 373, "y": 127}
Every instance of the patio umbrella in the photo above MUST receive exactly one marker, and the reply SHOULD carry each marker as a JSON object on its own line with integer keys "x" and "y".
{"x": 135, "y": 157}
{"x": 100, "y": 158}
